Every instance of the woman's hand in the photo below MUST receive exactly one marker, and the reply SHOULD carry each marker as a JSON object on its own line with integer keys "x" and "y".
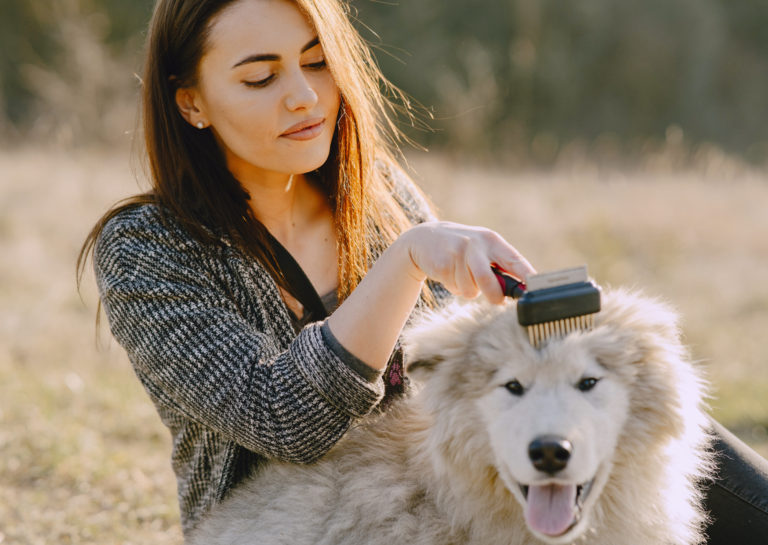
{"x": 460, "y": 257}
{"x": 369, "y": 322}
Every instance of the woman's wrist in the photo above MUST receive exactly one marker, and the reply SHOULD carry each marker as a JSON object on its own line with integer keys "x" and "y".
{"x": 403, "y": 248}
{"x": 369, "y": 322}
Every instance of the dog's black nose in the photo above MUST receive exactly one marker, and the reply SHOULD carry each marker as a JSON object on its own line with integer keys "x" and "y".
{"x": 549, "y": 453}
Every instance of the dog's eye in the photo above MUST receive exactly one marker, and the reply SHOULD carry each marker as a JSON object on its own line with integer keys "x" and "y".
{"x": 514, "y": 387}
{"x": 586, "y": 384}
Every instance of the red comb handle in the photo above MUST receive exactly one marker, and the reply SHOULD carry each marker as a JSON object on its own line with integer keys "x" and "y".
{"x": 509, "y": 286}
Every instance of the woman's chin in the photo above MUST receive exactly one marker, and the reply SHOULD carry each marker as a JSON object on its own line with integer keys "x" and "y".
{"x": 284, "y": 161}
{"x": 301, "y": 161}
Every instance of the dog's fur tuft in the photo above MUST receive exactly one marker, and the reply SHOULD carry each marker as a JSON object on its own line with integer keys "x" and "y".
{"x": 450, "y": 463}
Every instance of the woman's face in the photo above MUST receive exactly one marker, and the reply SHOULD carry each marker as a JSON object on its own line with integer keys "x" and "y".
{"x": 265, "y": 90}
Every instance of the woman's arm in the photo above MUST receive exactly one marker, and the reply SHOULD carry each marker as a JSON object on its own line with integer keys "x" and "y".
{"x": 201, "y": 356}
{"x": 369, "y": 322}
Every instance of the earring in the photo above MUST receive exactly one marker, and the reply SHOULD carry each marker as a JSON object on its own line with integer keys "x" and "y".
{"x": 200, "y": 125}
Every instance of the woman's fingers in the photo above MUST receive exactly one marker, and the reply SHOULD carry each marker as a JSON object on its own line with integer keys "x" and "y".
{"x": 508, "y": 259}
{"x": 519, "y": 268}
{"x": 462, "y": 273}
{"x": 445, "y": 273}
{"x": 485, "y": 280}
{"x": 499, "y": 252}
{"x": 460, "y": 257}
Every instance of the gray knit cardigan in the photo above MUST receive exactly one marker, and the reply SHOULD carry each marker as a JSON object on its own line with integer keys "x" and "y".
{"x": 211, "y": 340}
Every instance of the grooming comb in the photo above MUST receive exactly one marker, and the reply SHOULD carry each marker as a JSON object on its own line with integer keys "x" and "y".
{"x": 553, "y": 304}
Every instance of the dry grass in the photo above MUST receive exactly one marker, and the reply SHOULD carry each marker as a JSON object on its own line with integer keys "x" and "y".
{"x": 83, "y": 456}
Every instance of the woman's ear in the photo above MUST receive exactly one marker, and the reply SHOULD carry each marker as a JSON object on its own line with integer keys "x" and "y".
{"x": 190, "y": 105}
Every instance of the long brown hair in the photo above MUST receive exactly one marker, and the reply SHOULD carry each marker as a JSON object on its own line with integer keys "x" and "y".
{"x": 188, "y": 172}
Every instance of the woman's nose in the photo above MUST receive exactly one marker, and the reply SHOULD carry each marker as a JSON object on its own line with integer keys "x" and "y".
{"x": 300, "y": 95}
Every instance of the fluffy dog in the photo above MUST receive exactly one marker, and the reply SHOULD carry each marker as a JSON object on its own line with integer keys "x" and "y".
{"x": 598, "y": 437}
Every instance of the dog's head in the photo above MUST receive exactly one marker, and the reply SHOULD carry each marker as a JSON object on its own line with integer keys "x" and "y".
{"x": 552, "y": 422}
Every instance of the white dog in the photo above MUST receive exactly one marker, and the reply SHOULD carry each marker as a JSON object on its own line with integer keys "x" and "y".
{"x": 598, "y": 437}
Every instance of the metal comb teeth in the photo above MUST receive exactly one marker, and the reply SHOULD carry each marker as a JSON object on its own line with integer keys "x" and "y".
{"x": 538, "y": 333}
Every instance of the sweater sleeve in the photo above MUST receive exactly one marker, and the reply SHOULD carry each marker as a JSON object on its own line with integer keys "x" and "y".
{"x": 196, "y": 353}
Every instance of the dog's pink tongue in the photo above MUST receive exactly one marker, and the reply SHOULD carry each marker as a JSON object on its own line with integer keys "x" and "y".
{"x": 550, "y": 508}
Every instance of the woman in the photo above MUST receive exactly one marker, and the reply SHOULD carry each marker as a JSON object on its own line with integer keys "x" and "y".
{"x": 265, "y": 127}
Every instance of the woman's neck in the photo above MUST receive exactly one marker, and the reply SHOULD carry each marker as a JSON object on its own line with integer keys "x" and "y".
{"x": 286, "y": 204}
{"x": 298, "y": 213}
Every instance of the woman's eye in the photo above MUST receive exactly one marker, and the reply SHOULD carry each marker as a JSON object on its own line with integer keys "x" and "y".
{"x": 318, "y": 65}
{"x": 586, "y": 384}
{"x": 260, "y": 83}
{"x": 514, "y": 387}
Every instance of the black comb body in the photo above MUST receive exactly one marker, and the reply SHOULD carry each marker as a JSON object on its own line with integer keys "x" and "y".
{"x": 557, "y": 310}
{"x": 561, "y": 303}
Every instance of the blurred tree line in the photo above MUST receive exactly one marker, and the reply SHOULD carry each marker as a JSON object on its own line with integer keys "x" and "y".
{"x": 499, "y": 76}
{"x": 67, "y": 69}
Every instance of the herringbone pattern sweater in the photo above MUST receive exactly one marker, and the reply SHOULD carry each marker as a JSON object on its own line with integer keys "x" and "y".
{"x": 211, "y": 340}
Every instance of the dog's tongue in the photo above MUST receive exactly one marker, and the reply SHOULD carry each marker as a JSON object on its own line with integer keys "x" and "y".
{"x": 550, "y": 508}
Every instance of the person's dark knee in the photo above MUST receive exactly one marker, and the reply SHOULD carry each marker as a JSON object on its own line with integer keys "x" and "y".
{"x": 737, "y": 499}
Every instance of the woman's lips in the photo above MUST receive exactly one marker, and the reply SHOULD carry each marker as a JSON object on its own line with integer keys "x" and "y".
{"x": 306, "y": 130}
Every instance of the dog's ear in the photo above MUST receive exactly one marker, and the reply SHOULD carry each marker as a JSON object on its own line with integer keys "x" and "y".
{"x": 641, "y": 342}
{"x": 640, "y": 327}
{"x": 422, "y": 367}
{"x": 441, "y": 336}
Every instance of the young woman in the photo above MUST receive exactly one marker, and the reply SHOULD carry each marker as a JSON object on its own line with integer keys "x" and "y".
{"x": 265, "y": 129}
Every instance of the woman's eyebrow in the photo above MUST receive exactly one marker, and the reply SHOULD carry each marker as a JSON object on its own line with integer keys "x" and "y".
{"x": 274, "y": 57}
{"x": 311, "y": 43}
{"x": 258, "y": 58}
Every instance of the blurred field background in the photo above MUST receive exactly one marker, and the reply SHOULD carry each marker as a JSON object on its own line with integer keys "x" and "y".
{"x": 630, "y": 135}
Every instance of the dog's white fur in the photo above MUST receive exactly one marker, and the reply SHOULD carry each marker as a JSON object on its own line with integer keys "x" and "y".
{"x": 445, "y": 465}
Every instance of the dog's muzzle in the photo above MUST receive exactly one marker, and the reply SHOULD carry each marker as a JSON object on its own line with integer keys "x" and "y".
{"x": 553, "y": 509}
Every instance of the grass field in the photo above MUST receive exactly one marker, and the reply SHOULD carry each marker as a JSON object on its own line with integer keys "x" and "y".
{"x": 83, "y": 456}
